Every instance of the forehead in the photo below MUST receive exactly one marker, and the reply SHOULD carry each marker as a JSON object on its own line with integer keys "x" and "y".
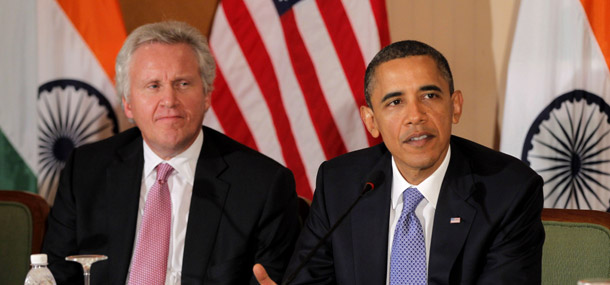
{"x": 410, "y": 65}
{"x": 159, "y": 58}
{"x": 410, "y": 70}
{"x": 155, "y": 51}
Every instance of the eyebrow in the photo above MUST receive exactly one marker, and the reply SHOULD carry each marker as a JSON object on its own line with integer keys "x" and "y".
{"x": 391, "y": 95}
{"x": 430, "y": 88}
{"x": 399, "y": 93}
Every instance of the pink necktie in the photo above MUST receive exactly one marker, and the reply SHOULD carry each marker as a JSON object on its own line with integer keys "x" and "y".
{"x": 149, "y": 264}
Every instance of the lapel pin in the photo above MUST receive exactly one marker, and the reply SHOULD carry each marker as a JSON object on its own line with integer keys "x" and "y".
{"x": 455, "y": 220}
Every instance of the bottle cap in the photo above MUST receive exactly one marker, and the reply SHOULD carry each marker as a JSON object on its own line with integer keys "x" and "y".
{"x": 40, "y": 259}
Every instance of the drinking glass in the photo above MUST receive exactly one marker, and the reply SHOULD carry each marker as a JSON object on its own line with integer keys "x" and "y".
{"x": 86, "y": 260}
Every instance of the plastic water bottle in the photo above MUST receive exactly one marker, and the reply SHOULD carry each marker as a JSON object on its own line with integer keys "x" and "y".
{"x": 40, "y": 273}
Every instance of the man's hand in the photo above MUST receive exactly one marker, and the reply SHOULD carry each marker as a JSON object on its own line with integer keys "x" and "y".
{"x": 261, "y": 275}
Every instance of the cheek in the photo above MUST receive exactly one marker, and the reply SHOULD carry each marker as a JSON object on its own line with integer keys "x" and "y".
{"x": 143, "y": 108}
{"x": 392, "y": 121}
{"x": 389, "y": 128}
{"x": 195, "y": 104}
{"x": 444, "y": 123}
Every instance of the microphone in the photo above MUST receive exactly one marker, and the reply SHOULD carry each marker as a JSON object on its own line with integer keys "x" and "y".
{"x": 374, "y": 179}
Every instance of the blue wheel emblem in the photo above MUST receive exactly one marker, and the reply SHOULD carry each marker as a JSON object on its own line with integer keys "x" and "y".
{"x": 569, "y": 146}
{"x": 70, "y": 113}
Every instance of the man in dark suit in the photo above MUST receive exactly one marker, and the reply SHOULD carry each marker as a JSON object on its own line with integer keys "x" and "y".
{"x": 480, "y": 212}
{"x": 226, "y": 206}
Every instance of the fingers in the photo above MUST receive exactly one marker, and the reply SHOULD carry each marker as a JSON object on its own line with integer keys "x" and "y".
{"x": 261, "y": 275}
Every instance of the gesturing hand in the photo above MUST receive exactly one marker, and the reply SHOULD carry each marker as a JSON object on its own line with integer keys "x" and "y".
{"x": 261, "y": 275}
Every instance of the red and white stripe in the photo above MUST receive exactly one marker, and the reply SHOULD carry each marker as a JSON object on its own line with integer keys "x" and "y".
{"x": 291, "y": 85}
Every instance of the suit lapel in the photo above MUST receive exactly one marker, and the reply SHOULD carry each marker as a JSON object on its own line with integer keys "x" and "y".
{"x": 123, "y": 192}
{"x": 207, "y": 204}
{"x": 448, "y": 238}
{"x": 369, "y": 222}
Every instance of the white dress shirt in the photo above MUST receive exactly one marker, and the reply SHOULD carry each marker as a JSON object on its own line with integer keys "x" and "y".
{"x": 430, "y": 189}
{"x": 180, "y": 184}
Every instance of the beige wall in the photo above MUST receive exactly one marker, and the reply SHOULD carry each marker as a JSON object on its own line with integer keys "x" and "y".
{"x": 198, "y": 13}
{"x": 474, "y": 35}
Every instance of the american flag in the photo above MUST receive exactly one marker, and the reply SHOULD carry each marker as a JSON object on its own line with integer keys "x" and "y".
{"x": 290, "y": 77}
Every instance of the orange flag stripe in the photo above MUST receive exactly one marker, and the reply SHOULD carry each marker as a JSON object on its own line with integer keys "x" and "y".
{"x": 598, "y": 13}
{"x": 100, "y": 23}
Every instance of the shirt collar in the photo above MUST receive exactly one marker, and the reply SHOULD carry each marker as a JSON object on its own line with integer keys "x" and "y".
{"x": 429, "y": 188}
{"x": 184, "y": 164}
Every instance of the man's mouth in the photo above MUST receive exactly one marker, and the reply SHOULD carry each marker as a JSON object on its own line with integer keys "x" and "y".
{"x": 418, "y": 138}
{"x": 168, "y": 117}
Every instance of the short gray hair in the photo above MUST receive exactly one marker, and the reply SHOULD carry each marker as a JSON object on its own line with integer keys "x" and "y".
{"x": 169, "y": 32}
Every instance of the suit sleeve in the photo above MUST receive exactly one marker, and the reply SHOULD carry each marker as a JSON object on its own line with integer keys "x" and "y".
{"x": 278, "y": 227}
{"x": 60, "y": 239}
{"x": 515, "y": 254}
{"x": 320, "y": 268}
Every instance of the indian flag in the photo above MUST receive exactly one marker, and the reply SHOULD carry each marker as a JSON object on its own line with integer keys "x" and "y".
{"x": 556, "y": 115}
{"x": 18, "y": 142}
{"x": 68, "y": 98}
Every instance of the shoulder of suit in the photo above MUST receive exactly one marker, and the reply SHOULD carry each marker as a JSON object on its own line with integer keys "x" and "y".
{"x": 224, "y": 142}
{"x": 481, "y": 157}
{"x": 123, "y": 138}
{"x": 365, "y": 156}
{"x": 230, "y": 148}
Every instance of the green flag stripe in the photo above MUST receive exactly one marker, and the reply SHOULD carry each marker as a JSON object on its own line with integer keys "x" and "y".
{"x": 14, "y": 172}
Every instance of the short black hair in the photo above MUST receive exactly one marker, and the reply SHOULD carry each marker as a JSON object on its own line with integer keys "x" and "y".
{"x": 400, "y": 50}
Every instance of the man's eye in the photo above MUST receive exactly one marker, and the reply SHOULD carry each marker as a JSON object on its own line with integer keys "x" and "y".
{"x": 182, "y": 84}
{"x": 153, "y": 86}
{"x": 430, "y": 95}
{"x": 394, "y": 102}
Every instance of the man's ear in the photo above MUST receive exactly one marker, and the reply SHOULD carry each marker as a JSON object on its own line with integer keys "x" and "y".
{"x": 127, "y": 108}
{"x": 457, "y": 100}
{"x": 368, "y": 118}
{"x": 207, "y": 102}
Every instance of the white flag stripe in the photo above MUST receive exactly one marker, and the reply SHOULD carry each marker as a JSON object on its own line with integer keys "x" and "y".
{"x": 556, "y": 107}
{"x": 83, "y": 65}
{"x": 82, "y": 106}
{"x": 558, "y": 66}
{"x": 18, "y": 77}
{"x": 266, "y": 19}
{"x": 243, "y": 85}
{"x": 360, "y": 15}
{"x": 335, "y": 87}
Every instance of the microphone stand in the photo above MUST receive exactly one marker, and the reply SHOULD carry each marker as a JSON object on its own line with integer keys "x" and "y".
{"x": 367, "y": 187}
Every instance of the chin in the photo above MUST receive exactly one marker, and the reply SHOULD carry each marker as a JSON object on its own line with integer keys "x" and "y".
{"x": 421, "y": 162}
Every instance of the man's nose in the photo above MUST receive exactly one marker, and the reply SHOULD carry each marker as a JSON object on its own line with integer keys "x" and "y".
{"x": 415, "y": 113}
{"x": 169, "y": 98}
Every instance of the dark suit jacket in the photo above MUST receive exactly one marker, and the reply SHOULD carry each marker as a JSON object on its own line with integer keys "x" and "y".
{"x": 243, "y": 211}
{"x": 498, "y": 241}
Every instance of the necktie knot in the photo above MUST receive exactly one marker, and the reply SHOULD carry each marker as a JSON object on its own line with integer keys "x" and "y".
{"x": 163, "y": 172}
{"x": 411, "y": 198}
